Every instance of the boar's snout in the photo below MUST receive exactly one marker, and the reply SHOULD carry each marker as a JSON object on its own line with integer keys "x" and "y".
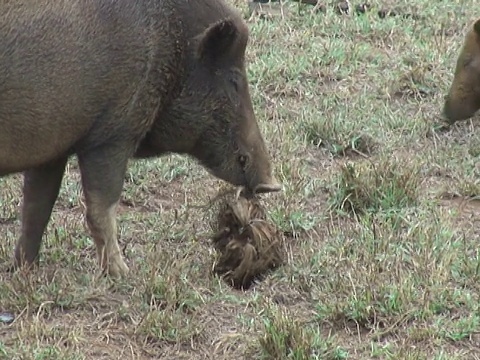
{"x": 274, "y": 186}
{"x": 256, "y": 172}
{"x": 254, "y": 160}
{"x": 262, "y": 188}
{"x": 251, "y": 170}
{"x": 268, "y": 185}
{"x": 457, "y": 111}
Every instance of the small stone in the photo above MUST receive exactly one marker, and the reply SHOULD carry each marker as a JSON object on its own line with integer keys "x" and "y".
{"x": 6, "y": 318}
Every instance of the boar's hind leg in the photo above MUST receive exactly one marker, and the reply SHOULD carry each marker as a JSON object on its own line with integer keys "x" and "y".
{"x": 40, "y": 190}
{"x": 103, "y": 171}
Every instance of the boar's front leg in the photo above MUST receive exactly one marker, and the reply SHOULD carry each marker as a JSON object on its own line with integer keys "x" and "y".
{"x": 103, "y": 171}
{"x": 40, "y": 191}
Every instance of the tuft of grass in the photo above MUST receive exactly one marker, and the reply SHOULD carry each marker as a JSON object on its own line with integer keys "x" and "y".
{"x": 284, "y": 338}
{"x": 336, "y": 139}
{"x": 369, "y": 188}
{"x": 417, "y": 83}
{"x": 167, "y": 326}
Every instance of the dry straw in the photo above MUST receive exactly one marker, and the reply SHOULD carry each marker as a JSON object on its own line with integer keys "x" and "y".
{"x": 248, "y": 244}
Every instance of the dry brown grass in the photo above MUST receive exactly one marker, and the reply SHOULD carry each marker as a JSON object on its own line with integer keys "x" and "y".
{"x": 249, "y": 244}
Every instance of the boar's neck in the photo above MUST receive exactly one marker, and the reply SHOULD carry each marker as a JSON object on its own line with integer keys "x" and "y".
{"x": 172, "y": 132}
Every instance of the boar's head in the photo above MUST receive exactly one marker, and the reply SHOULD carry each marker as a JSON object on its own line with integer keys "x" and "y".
{"x": 213, "y": 119}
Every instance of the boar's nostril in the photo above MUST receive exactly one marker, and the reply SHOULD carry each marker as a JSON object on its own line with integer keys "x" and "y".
{"x": 266, "y": 188}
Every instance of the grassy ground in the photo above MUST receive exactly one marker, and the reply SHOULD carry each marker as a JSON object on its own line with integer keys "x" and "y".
{"x": 379, "y": 211}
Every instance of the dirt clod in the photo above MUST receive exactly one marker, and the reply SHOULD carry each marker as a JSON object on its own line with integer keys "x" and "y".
{"x": 248, "y": 244}
{"x": 362, "y": 8}
{"x": 343, "y": 7}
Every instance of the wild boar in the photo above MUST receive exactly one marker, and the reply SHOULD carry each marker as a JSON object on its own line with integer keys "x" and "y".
{"x": 108, "y": 81}
{"x": 463, "y": 99}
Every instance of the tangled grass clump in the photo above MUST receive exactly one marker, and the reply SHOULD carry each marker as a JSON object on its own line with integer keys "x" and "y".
{"x": 372, "y": 187}
{"x": 248, "y": 244}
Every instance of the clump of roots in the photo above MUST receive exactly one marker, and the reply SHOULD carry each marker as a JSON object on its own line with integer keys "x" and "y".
{"x": 248, "y": 244}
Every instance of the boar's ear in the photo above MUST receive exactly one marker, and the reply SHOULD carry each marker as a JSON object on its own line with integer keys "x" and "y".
{"x": 476, "y": 27}
{"x": 217, "y": 40}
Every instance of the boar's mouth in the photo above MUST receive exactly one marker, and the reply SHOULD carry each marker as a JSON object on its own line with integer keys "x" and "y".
{"x": 259, "y": 189}
{"x": 267, "y": 188}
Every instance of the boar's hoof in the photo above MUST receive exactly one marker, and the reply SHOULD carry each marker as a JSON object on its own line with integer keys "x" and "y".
{"x": 116, "y": 267}
{"x": 22, "y": 266}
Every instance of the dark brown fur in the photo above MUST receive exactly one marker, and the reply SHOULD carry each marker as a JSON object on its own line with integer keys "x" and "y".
{"x": 463, "y": 99}
{"x": 111, "y": 80}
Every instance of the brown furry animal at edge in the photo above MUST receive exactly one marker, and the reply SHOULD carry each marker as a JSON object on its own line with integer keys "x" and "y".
{"x": 463, "y": 99}
{"x": 248, "y": 244}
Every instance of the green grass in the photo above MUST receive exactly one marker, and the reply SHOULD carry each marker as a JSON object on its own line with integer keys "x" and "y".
{"x": 380, "y": 211}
